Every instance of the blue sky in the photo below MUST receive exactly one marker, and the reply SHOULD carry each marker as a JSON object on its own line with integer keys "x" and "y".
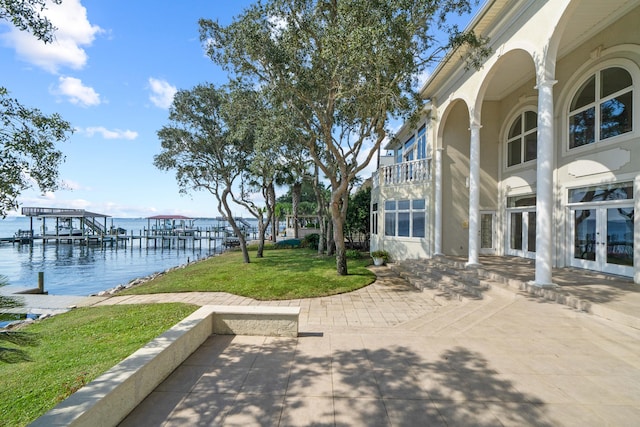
{"x": 112, "y": 72}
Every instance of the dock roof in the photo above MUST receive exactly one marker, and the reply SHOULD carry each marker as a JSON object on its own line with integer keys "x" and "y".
{"x": 61, "y": 213}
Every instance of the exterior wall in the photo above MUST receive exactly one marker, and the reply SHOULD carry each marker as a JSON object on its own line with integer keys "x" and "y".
{"x": 490, "y": 156}
{"x": 614, "y": 160}
{"x": 455, "y": 173}
{"x": 402, "y": 247}
{"x": 421, "y": 188}
{"x": 536, "y": 50}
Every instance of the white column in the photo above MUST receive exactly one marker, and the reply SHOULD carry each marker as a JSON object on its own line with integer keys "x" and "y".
{"x": 437, "y": 235}
{"x": 474, "y": 194}
{"x": 544, "y": 184}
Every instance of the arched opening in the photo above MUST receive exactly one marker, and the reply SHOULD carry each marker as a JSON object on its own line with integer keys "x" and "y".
{"x": 455, "y": 137}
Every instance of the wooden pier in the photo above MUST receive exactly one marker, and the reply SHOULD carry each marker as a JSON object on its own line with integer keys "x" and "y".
{"x": 76, "y": 226}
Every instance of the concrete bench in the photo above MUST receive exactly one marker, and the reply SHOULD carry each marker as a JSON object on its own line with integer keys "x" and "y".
{"x": 108, "y": 399}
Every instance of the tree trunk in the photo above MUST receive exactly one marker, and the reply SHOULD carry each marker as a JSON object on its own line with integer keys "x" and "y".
{"x": 320, "y": 210}
{"x": 296, "y": 195}
{"x": 322, "y": 235}
{"x": 271, "y": 198}
{"x": 338, "y": 237}
{"x": 229, "y": 215}
{"x": 339, "y": 204}
{"x": 330, "y": 249}
{"x": 263, "y": 223}
{"x": 262, "y": 229}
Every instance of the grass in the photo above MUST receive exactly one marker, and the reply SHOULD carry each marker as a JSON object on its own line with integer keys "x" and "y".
{"x": 74, "y": 348}
{"x": 281, "y": 274}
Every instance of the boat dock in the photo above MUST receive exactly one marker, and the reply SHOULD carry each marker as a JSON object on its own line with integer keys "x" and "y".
{"x": 77, "y": 226}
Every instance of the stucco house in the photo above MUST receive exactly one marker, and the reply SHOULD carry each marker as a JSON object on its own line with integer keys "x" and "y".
{"x": 536, "y": 154}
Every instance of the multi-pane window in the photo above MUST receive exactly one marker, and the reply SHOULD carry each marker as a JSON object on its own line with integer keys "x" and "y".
{"x": 418, "y": 218}
{"x": 602, "y": 108}
{"x": 404, "y": 218}
{"x": 601, "y": 193}
{"x": 422, "y": 142}
{"x": 374, "y": 218}
{"x": 409, "y": 147}
{"x": 390, "y": 218}
{"x": 522, "y": 139}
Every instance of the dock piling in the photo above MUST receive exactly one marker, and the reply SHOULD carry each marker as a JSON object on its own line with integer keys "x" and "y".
{"x": 41, "y": 281}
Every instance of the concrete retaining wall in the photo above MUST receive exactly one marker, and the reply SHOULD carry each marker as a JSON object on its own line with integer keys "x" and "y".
{"x": 109, "y": 398}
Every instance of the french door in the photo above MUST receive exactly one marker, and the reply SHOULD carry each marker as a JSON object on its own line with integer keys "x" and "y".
{"x": 521, "y": 232}
{"x": 603, "y": 238}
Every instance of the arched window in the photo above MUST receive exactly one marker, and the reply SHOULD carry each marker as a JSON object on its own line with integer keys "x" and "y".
{"x": 522, "y": 140}
{"x": 601, "y": 108}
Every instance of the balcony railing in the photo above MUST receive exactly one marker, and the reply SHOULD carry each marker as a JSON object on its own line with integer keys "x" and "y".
{"x": 415, "y": 171}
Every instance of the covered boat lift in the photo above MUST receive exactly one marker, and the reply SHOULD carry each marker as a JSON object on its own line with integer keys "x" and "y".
{"x": 91, "y": 225}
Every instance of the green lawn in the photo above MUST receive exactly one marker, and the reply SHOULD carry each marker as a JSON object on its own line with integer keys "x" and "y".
{"x": 78, "y": 346}
{"x": 74, "y": 348}
{"x": 281, "y": 274}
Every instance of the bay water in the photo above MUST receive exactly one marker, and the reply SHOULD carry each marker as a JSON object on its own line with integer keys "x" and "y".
{"x": 75, "y": 269}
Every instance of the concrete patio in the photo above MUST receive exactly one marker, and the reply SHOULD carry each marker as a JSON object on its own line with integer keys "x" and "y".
{"x": 389, "y": 354}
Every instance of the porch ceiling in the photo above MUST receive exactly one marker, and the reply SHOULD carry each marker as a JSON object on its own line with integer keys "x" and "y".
{"x": 586, "y": 18}
{"x": 589, "y": 17}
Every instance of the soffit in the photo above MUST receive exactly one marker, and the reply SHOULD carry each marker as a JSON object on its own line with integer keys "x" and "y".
{"x": 587, "y": 19}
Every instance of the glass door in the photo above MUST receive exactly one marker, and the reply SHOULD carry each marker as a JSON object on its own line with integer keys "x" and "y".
{"x": 603, "y": 239}
{"x": 522, "y": 233}
{"x": 487, "y": 232}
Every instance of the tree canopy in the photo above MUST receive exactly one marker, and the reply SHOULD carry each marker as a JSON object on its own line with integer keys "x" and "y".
{"x": 28, "y": 137}
{"x": 207, "y": 145}
{"x": 342, "y": 68}
{"x": 26, "y": 15}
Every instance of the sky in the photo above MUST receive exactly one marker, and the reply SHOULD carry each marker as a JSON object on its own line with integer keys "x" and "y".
{"x": 112, "y": 72}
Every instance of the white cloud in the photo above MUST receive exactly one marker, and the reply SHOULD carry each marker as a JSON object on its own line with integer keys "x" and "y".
{"x": 76, "y": 92}
{"x": 111, "y": 134}
{"x": 161, "y": 92}
{"x": 74, "y": 32}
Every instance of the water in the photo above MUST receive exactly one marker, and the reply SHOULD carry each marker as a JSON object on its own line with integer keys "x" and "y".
{"x": 73, "y": 269}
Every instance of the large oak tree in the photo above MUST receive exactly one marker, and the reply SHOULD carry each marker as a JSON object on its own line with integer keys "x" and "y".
{"x": 206, "y": 148}
{"x": 343, "y": 68}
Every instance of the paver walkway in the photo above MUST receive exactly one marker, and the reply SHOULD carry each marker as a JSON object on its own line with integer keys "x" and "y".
{"x": 390, "y": 355}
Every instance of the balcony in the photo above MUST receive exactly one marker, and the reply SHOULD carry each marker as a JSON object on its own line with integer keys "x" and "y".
{"x": 415, "y": 171}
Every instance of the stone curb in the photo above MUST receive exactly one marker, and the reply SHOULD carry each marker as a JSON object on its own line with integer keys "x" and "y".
{"x": 108, "y": 399}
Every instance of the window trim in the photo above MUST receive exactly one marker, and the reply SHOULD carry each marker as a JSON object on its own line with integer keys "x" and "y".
{"x": 411, "y": 211}
{"x": 519, "y": 112}
{"x": 421, "y": 142}
{"x": 578, "y": 79}
{"x": 596, "y": 104}
{"x": 414, "y": 145}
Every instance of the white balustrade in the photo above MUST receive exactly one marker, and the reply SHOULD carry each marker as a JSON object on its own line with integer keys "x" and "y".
{"x": 415, "y": 171}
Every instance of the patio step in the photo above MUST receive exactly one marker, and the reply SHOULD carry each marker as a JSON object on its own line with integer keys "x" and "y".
{"x": 455, "y": 280}
{"x": 454, "y": 319}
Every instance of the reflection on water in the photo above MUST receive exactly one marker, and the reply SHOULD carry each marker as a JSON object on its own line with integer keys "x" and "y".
{"x": 72, "y": 269}
{"x": 75, "y": 269}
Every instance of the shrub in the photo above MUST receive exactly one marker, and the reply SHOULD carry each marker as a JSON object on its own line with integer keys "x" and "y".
{"x": 311, "y": 241}
{"x": 381, "y": 254}
{"x": 353, "y": 254}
